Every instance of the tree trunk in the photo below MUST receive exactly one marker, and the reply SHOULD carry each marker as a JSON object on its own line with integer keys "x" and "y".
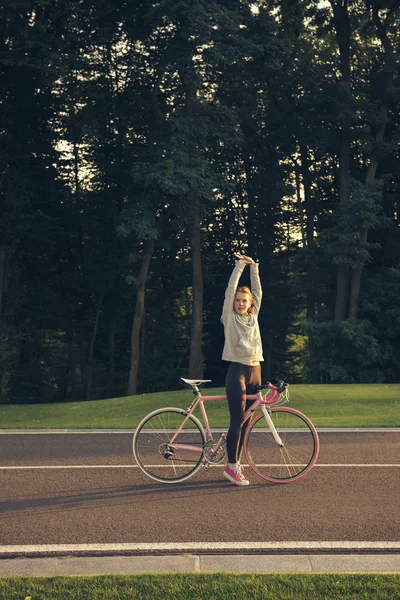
{"x": 196, "y": 352}
{"x": 342, "y": 292}
{"x": 82, "y": 354}
{"x": 138, "y": 318}
{"x": 188, "y": 79}
{"x": 92, "y": 342}
{"x": 72, "y": 367}
{"x": 111, "y": 360}
{"x": 2, "y": 276}
{"x": 342, "y": 271}
{"x": 379, "y": 136}
{"x": 300, "y": 203}
{"x": 309, "y": 206}
{"x": 342, "y": 27}
{"x": 78, "y": 211}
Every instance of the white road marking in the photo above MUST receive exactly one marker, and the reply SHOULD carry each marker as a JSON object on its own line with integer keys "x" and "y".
{"x": 161, "y": 466}
{"x": 64, "y": 431}
{"x": 22, "y": 467}
{"x": 131, "y": 431}
{"x": 359, "y": 465}
{"x": 202, "y": 546}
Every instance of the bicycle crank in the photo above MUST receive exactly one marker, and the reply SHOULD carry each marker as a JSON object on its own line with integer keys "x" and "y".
{"x": 215, "y": 452}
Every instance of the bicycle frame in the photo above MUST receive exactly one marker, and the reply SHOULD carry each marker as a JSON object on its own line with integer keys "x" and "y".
{"x": 258, "y": 400}
{"x": 184, "y": 441}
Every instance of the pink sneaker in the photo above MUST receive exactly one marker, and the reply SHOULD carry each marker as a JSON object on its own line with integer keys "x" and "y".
{"x": 235, "y": 475}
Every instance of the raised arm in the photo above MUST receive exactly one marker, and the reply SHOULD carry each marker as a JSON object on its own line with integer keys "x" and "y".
{"x": 256, "y": 289}
{"x": 231, "y": 289}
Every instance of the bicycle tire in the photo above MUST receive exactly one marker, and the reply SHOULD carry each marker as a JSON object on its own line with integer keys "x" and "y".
{"x": 286, "y": 463}
{"x": 152, "y": 450}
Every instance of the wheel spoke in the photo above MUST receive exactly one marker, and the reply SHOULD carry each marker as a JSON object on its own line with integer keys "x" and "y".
{"x": 296, "y": 456}
{"x": 157, "y": 456}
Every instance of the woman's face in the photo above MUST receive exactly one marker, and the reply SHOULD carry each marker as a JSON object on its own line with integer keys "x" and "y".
{"x": 242, "y": 303}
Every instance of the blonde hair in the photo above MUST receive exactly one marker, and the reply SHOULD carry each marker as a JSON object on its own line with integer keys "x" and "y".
{"x": 245, "y": 290}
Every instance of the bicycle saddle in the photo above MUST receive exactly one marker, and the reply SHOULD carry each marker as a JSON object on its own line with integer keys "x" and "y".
{"x": 195, "y": 381}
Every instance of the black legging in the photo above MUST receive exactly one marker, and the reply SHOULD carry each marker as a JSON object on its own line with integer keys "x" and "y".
{"x": 240, "y": 380}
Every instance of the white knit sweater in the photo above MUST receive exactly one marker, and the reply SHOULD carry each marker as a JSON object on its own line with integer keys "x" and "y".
{"x": 242, "y": 333}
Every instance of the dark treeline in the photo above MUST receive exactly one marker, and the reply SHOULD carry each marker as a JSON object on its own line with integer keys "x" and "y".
{"x": 142, "y": 143}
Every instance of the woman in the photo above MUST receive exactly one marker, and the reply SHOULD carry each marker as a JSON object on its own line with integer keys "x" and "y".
{"x": 243, "y": 349}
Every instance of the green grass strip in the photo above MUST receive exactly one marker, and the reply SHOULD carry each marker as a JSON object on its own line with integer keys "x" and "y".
{"x": 191, "y": 586}
{"x": 369, "y": 405}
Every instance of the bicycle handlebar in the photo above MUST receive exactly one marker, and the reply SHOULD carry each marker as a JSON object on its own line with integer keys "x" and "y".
{"x": 280, "y": 386}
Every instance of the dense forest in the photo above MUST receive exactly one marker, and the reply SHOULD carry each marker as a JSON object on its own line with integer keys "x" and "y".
{"x": 142, "y": 143}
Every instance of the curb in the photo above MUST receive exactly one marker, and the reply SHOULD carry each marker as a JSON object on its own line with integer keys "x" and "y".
{"x": 189, "y": 563}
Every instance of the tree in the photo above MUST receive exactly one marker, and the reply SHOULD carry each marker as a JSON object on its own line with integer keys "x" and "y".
{"x": 383, "y": 24}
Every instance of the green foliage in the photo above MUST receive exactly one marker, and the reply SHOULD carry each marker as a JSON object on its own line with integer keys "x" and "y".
{"x": 347, "y": 351}
{"x": 364, "y": 210}
{"x": 123, "y": 124}
{"x": 380, "y": 304}
{"x": 139, "y": 221}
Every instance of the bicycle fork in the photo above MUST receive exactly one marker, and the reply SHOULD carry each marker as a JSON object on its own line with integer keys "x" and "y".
{"x": 271, "y": 426}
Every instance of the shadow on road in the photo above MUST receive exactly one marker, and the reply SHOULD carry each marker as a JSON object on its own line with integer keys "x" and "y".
{"x": 111, "y": 496}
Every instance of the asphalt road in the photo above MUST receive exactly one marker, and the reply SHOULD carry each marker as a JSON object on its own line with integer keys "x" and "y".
{"x": 84, "y": 488}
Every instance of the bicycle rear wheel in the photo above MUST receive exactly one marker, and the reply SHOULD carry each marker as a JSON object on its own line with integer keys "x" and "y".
{"x": 161, "y": 459}
{"x": 291, "y": 460}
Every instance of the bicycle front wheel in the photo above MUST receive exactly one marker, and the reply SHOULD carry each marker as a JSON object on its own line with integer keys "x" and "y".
{"x": 290, "y": 460}
{"x": 162, "y": 453}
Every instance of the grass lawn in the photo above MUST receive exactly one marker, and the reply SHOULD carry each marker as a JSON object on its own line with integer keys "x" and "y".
{"x": 193, "y": 586}
{"x": 368, "y": 405}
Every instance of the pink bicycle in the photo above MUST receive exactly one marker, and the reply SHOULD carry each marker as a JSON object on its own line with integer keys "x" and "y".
{"x": 281, "y": 444}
